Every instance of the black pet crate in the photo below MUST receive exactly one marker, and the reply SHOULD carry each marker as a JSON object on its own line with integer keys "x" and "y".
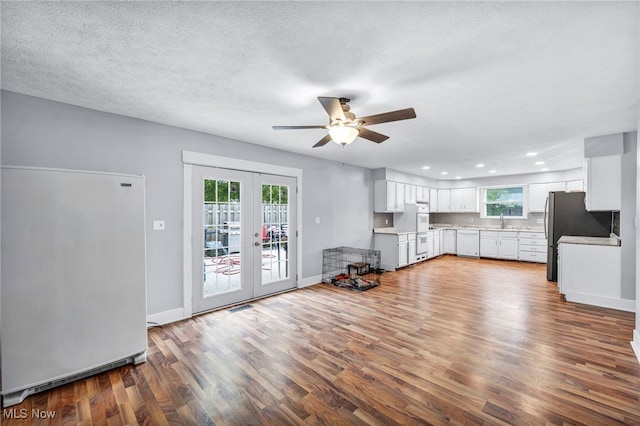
{"x": 353, "y": 268}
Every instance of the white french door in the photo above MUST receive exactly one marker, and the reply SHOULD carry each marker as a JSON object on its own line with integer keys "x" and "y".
{"x": 243, "y": 236}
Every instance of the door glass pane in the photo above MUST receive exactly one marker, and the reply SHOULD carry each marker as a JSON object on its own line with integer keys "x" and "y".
{"x": 275, "y": 227}
{"x": 221, "y": 236}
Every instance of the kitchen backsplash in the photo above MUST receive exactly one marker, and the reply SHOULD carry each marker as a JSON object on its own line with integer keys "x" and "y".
{"x": 385, "y": 220}
{"x": 473, "y": 219}
{"x": 382, "y": 220}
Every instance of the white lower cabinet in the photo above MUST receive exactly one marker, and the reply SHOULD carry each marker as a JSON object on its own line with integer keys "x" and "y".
{"x": 403, "y": 251}
{"x": 508, "y": 245}
{"x": 396, "y": 250}
{"x": 411, "y": 248}
{"x": 489, "y": 243}
{"x": 399, "y": 249}
{"x": 591, "y": 274}
{"x": 449, "y": 241}
{"x": 433, "y": 244}
{"x": 499, "y": 244}
{"x": 532, "y": 247}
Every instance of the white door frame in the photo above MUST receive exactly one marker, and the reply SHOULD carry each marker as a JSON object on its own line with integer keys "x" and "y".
{"x": 190, "y": 159}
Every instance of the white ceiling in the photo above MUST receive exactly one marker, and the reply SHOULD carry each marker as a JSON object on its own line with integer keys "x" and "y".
{"x": 490, "y": 81}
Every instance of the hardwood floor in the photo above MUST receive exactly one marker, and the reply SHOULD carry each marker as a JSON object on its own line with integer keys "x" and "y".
{"x": 449, "y": 341}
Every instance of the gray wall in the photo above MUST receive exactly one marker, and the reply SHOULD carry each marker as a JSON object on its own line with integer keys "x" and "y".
{"x": 628, "y": 216}
{"x": 42, "y": 133}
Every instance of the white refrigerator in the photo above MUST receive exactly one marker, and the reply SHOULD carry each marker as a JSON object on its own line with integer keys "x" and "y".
{"x": 73, "y": 281}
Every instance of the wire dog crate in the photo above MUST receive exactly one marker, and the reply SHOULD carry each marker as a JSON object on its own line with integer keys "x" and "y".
{"x": 349, "y": 267}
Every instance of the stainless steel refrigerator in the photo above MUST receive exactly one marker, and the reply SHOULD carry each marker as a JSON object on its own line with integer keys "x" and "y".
{"x": 566, "y": 215}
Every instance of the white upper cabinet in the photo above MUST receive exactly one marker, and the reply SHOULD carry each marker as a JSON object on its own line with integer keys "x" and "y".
{"x": 603, "y": 172}
{"x": 538, "y": 193}
{"x": 464, "y": 200}
{"x": 400, "y": 197}
{"x": 537, "y": 197}
{"x": 575, "y": 185}
{"x": 388, "y": 197}
{"x": 422, "y": 194}
{"x": 444, "y": 200}
{"x": 433, "y": 200}
{"x": 409, "y": 194}
{"x": 603, "y": 182}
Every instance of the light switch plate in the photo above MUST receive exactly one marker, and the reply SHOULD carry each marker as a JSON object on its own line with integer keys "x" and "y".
{"x": 158, "y": 225}
{"x": 317, "y": 219}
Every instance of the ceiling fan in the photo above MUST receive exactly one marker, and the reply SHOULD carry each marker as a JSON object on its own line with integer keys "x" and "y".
{"x": 343, "y": 125}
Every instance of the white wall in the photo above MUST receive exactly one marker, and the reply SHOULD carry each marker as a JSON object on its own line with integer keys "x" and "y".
{"x": 42, "y": 133}
{"x": 397, "y": 176}
{"x": 524, "y": 179}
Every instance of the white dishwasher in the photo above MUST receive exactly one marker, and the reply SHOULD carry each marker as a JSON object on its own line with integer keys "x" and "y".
{"x": 468, "y": 242}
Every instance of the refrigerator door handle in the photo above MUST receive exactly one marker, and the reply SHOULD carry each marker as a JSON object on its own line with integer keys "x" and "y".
{"x": 546, "y": 205}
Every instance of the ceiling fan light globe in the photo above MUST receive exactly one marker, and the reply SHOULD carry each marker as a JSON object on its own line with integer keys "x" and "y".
{"x": 343, "y": 135}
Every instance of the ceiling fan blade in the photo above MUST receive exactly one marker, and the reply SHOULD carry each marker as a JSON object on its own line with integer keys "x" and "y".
{"x": 323, "y": 141}
{"x": 333, "y": 108}
{"x": 297, "y": 127}
{"x": 371, "y": 135}
{"x": 401, "y": 114}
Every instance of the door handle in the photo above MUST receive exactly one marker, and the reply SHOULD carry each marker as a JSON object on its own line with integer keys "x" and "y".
{"x": 256, "y": 235}
{"x": 257, "y": 244}
{"x": 544, "y": 220}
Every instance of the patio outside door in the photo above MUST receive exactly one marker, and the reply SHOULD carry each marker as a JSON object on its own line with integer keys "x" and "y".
{"x": 244, "y": 231}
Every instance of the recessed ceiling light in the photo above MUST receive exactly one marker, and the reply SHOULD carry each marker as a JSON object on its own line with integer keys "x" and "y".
{"x": 425, "y": 167}
{"x": 539, "y": 163}
{"x": 444, "y": 173}
{"x": 458, "y": 177}
{"x": 492, "y": 171}
{"x": 479, "y": 165}
{"x": 546, "y": 169}
{"x": 531, "y": 154}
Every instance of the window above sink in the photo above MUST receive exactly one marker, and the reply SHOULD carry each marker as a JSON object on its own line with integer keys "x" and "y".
{"x": 503, "y": 201}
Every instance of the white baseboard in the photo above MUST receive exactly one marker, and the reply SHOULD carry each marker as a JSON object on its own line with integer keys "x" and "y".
{"x": 306, "y": 282}
{"x": 603, "y": 301}
{"x": 178, "y": 314}
{"x": 166, "y": 317}
{"x": 635, "y": 344}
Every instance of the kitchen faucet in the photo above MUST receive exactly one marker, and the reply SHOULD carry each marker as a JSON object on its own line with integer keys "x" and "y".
{"x": 502, "y": 225}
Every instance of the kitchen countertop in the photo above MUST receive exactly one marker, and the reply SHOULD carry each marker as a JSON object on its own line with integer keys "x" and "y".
{"x": 489, "y": 228}
{"x": 395, "y": 231}
{"x": 592, "y": 241}
{"x": 391, "y": 231}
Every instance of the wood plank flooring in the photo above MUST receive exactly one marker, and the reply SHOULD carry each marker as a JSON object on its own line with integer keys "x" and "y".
{"x": 449, "y": 341}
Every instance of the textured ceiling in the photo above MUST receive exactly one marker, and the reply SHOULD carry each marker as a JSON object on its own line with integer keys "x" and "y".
{"x": 489, "y": 81}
